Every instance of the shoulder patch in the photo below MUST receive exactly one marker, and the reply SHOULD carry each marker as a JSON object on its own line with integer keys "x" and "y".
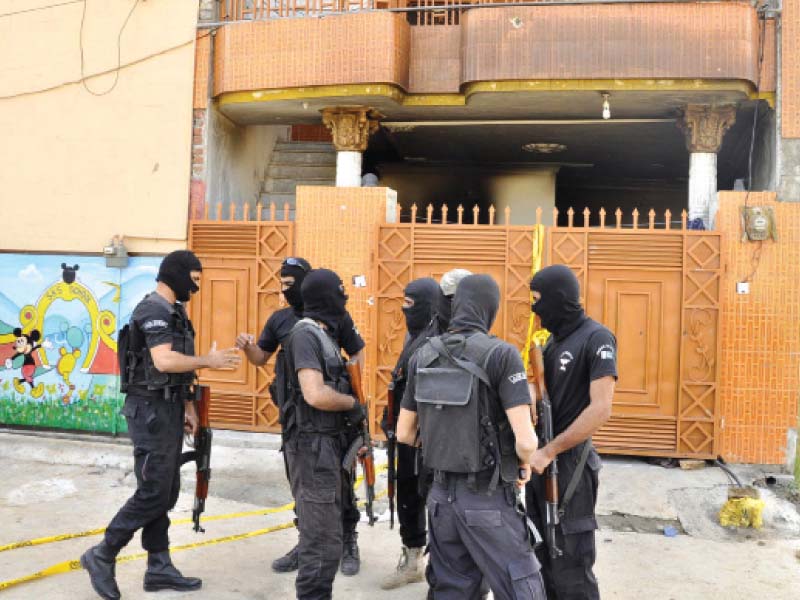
{"x": 605, "y": 352}
{"x": 517, "y": 377}
{"x": 155, "y": 324}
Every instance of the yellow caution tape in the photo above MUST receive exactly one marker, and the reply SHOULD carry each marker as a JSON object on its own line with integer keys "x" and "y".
{"x": 250, "y": 513}
{"x": 534, "y": 336}
{"x": 75, "y": 565}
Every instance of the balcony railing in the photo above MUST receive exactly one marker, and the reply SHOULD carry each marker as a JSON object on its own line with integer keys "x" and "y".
{"x": 420, "y": 12}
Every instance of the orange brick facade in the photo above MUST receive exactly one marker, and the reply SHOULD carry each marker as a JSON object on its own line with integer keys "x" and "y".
{"x": 760, "y": 351}
{"x": 631, "y": 41}
{"x": 790, "y": 69}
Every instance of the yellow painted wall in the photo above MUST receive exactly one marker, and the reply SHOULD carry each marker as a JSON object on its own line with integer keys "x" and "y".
{"x": 75, "y": 168}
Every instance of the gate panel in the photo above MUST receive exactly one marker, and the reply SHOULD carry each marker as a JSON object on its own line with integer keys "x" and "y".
{"x": 658, "y": 291}
{"x": 407, "y": 251}
{"x": 239, "y": 291}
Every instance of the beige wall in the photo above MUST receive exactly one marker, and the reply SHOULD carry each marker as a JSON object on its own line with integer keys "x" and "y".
{"x": 238, "y": 158}
{"x": 76, "y": 169}
{"x": 523, "y": 193}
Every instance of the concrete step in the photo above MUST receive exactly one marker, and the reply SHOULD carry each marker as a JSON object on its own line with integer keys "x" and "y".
{"x": 326, "y": 147}
{"x": 287, "y": 184}
{"x": 317, "y": 159}
{"x": 302, "y": 172}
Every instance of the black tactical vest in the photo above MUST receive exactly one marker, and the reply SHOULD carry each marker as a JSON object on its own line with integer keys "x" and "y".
{"x": 142, "y": 369}
{"x": 462, "y": 424}
{"x": 334, "y": 373}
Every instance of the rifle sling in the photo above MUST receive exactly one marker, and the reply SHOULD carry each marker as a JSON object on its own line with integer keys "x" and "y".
{"x": 576, "y": 477}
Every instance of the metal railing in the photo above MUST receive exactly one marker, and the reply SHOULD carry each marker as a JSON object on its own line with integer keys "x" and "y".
{"x": 420, "y": 12}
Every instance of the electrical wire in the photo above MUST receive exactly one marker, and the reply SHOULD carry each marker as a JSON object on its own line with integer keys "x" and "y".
{"x": 119, "y": 51}
{"x": 126, "y": 65}
{"x": 38, "y": 8}
{"x": 731, "y": 475}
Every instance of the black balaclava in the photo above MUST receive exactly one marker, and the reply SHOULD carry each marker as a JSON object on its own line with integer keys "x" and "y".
{"x": 475, "y": 304}
{"x": 559, "y": 308}
{"x": 176, "y": 272}
{"x": 324, "y": 299}
{"x": 298, "y": 270}
{"x": 426, "y": 294}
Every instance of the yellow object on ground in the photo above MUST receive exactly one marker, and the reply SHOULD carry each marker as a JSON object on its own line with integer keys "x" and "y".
{"x": 742, "y": 512}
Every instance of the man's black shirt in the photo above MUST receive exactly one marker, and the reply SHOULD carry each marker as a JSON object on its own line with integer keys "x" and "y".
{"x": 280, "y": 324}
{"x": 571, "y": 364}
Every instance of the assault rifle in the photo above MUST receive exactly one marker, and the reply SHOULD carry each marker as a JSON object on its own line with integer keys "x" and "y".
{"x": 391, "y": 447}
{"x": 362, "y": 447}
{"x": 201, "y": 453}
{"x": 544, "y": 414}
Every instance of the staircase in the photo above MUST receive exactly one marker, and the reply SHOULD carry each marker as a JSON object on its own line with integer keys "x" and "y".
{"x": 293, "y": 164}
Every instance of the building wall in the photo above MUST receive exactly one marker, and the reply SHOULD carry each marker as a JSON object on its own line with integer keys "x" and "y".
{"x": 760, "y": 350}
{"x": 238, "y": 158}
{"x": 110, "y": 159}
{"x": 75, "y": 306}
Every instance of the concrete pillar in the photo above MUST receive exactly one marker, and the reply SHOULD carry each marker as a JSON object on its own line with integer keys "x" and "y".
{"x": 703, "y": 187}
{"x": 348, "y": 169}
{"x": 704, "y": 127}
{"x": 350, "y": 128}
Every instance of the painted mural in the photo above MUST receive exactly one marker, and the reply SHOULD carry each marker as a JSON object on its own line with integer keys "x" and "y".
{"x": 59, "y": 320}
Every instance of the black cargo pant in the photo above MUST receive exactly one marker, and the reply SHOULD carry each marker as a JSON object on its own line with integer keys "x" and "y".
{"x": 571, "y": 576}
{"x": 155, "y": 426}
{"x": 477, "y": 535}
{"x": 410, "y": 502}
{"x": 318, "y": 486}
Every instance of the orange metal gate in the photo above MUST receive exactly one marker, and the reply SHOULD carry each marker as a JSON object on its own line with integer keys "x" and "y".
{"x": 658, "y": 290}
{"x": 239, "y": 290}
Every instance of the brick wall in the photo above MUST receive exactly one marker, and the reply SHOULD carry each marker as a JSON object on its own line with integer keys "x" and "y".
{"x": 760, "y": 349}
{"x": 790, "y": 69}
{"x": 197, "y": 186}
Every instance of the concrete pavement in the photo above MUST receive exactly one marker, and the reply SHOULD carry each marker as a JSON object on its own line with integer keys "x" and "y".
{"x": 54, "y": 485}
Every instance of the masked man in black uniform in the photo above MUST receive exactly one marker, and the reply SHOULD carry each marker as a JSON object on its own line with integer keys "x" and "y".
{"x": 158, "y": 410}
{"x": 276, "y": 330}
{"x": 469, "y": 395}
{"x": 421, "y": 308}
{"x": 326, "y": 416}
{"x": 580, "y": 373}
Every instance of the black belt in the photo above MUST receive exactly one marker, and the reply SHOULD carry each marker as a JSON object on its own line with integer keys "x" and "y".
{"x": 162, "y": 394}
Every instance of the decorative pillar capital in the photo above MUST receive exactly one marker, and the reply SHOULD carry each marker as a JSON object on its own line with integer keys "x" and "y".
{"x": 704, "y": 126}
{"x": 351, "y": 126}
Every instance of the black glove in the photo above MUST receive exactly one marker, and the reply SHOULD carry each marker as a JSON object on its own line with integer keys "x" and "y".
{"x": 356, "y": 415}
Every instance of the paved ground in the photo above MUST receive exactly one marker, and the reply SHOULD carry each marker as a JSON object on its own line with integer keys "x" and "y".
{"x": 52, "y": 486}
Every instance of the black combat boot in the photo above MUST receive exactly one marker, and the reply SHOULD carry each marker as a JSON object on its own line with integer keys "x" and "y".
{"x": 100, "y": 562}
{"x": 287, "y": 563}
{"x": 161, "y": 574}
{"x": 351, "y": 561}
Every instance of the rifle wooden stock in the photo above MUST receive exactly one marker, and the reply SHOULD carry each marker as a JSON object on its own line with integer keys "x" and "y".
{"x": 366, "y": 458}
{"x": 202, "y": 453}
{"x": 545, "y": 425}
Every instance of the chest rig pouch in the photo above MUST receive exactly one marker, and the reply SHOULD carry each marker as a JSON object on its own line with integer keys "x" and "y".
{"x": 334, "y": 374}
{"x": 461, "y": 430}
{"x": 140, "y": 366}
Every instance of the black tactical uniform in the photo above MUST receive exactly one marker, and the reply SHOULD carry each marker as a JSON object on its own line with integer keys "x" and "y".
{"x": 317, "y": 444}
{"x": 154, "y": 410}
{"x": 422, "y": 321}
{"x": 579, "y": 351}
{"x": 461, "y": 385}
{"x": 276, "y": 331}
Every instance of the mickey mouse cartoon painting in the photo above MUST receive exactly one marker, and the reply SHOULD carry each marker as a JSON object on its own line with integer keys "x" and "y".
{"x": 25, "y": 345}
{"x": 68, "y": 273}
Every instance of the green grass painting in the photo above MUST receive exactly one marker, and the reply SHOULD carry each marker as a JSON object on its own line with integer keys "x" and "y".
{"x": 89, "y": 413}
